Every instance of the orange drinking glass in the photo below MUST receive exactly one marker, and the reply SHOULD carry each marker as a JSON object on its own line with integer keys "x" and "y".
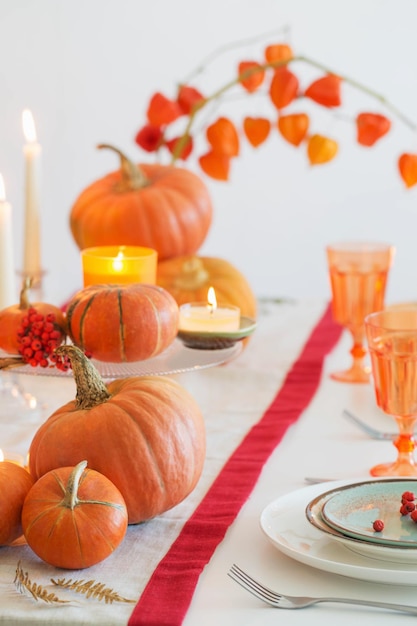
{"x": 358, "y": 276}
{"x": 392, "y": 341}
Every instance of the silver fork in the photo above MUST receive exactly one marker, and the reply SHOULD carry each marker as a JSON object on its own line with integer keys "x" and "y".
{"x": 369, "y": 430}
{"x": 279, "y": 601}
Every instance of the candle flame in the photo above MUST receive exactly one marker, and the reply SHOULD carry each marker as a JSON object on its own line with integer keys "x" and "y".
{"x": 118, "y": 262}
{"x": 2, "y": 190}
{"x": 211, "y": 299}
{"x": 29, "y": 129}
{"x": 1, "y": 455}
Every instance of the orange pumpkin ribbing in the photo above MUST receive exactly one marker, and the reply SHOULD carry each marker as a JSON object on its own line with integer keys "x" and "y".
{"x": 147, "y": 437}
{"x": 15, "y": 483}
{"x": 74, "y": 517}
{"x": 122, "y": 323}
{"x": 171, "y": 212}
{"x": 188, "y": 279}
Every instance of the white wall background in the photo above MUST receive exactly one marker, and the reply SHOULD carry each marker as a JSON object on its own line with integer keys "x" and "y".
{"x": 87, "y": 68}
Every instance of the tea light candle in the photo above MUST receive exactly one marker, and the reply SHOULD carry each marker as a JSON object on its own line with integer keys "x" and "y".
{"x": 200, "y": 317}
{"x": 7, "y": 280}
{"x": 119, "y": 265}
{"x": 32, "y": 153}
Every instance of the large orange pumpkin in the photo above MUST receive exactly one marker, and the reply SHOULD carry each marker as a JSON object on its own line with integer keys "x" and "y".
{"x": 162, "y": 207}
{"x": 188, "y": 279}
{"x": 74, "y": 517}
{"x": 146, "y": 434}
{"x": 119, "y": 323}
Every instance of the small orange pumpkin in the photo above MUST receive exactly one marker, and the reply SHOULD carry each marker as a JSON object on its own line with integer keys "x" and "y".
{"x": 11, "y": 319}
{"x": 120, "y": 323}
{"x": 74, "y": 517}
{"x": 15, "y": 483}
{"x": 146, "y": 434}
{"x": 162, "y": 207}
{"x": 188, "y": 279}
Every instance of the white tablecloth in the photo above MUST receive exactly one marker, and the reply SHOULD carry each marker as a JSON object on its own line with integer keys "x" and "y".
{"x": 232, "y": 397}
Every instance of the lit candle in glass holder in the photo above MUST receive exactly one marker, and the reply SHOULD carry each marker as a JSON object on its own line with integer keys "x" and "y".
{"x": 209, "y": 318}
{"x": 119, "y": 265}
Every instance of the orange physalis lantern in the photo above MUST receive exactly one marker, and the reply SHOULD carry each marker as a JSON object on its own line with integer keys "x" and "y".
{"x": 162, "y": 110}
{"x": 407, "y": 164}
{"x": 321, "y": 149}
{"x": 188, "y": 97}
{"x": 223, "y": 137}
{"x": 325, "y": 91}
{"x": 278, "y": 52}
{"x": 371, "y": 127}
{"x": 149, "y": 137}
{"x": 255, "y": 75}
{"x": 256, "y": 130}
{"x": 283, "y": 88}
{"x": 214, "y": 165}
{"x": 183, "y": 151}
{"x": 294, "y": 127}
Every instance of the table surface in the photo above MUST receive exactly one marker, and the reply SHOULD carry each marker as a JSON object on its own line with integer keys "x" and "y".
{"x": 232, "y": 397}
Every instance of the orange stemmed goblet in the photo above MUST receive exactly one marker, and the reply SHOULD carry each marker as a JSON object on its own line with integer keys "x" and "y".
{"x": 358, "y": 276}
{"x": 392, "y": 341}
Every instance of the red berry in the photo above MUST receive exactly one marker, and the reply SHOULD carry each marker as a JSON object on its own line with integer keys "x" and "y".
{"x": 408, "y": 495}
{"x": 413, "y": 515}
{"x": 378, "y": 525}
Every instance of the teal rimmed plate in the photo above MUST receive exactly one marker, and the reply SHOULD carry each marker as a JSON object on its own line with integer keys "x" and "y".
{"x": 352, "y": 510}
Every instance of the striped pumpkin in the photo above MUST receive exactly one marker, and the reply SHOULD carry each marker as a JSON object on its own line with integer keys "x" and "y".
{"x": 122, "y": 323}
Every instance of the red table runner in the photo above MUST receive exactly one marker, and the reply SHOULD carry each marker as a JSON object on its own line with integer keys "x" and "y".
{"x": 169, "y": 592}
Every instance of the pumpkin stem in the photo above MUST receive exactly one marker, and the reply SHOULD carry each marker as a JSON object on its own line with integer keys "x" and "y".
{"x": 71, "y": 490}
{"x": 192, "y": 275}
{"x": 91, "y": 389}
{"x": 132, "y": 176}
{"x": 24, "y": 293}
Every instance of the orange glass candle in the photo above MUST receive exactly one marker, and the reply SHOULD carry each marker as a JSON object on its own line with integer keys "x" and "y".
{"x": 119, "y": 265}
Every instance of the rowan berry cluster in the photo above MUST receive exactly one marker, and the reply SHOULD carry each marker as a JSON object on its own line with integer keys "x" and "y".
{"x": 408, "y": 506}
{"x": 38, "y": 337}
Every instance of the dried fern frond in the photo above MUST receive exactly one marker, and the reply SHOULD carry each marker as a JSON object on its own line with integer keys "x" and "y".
{"x": 25, "y": 586}
{"x": 91, "y": 589}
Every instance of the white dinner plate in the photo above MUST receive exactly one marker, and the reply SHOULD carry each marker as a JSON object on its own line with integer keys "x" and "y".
{"x": 352, "y": 510}
{"x": 368, "y": 549}
{"x": 285, "y": 524}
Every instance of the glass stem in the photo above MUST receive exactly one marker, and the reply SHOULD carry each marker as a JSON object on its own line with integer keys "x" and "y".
{"x": 405, "y": 442}
{"x": 358, "y": 350}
